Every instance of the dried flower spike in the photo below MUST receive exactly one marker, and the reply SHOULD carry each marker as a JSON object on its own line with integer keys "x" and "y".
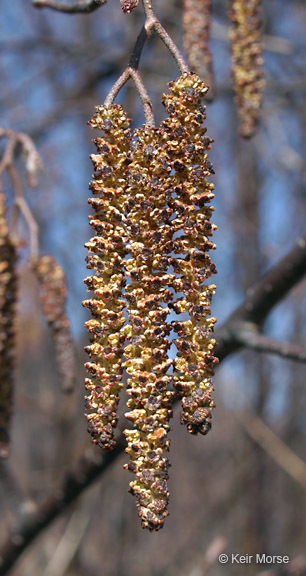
{"x": 196, "y": 26}
{"x": 148, "y": 296}
{"x": 187, "y": 146}
{"x": 8, "y": 284}
{"x": 53, "y": 296}
{"x": 245, "y": 36}
{"x": 107, "y": 251}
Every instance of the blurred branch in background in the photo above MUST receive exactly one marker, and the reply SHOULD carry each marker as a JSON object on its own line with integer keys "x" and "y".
{"x": 84, "y": 6}
{"x": 278, "y": 450}
{"x": 248, "y": 335}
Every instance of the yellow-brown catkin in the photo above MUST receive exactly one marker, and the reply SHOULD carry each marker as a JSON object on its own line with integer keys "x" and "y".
{"x": 169, "y": 232}
{"x": 8, "y": 290}
{"x": 107, "y": 250}
{"x": 187, "y": 146}
{"x": 196, "y": 26}
{"x": 148, "y": 297}
{"x": 150, "y": 253}
{"x": 53, "y": 298}
{"x": 245, "y": 37}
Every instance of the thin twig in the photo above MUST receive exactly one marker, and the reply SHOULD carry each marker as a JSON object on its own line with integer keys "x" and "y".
{"x": 33, "y": 166}
{"x": 173, "y": 49}
{"x": 144, "y": 97}
{"x": 84, "y": 6}
{"x": 274, "y": 446}
{"x": 151, "y": 23}
{"x": 260, "y": 301}
{"x": 25, "y": 211}
{"x": 264, "y": 295}
{"x": 247, "y": 334}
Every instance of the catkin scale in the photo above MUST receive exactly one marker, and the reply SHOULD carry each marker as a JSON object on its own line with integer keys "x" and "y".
{"x": 8, "y": 292}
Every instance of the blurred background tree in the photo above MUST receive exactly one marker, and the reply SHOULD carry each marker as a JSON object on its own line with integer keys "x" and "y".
{"x": 241, "y": 489}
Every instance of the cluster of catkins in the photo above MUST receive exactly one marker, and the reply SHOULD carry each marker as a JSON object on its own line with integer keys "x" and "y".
{"x": 245, "y": 36}
{"x": 8, "y": 289}
{"x": 197, "y": 27}
{"x": 149, "y": 256}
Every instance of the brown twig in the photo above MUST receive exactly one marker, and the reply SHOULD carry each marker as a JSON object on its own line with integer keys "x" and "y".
{"x": 151, "y": 23}
{"x": 259, "y": 302}
{"x": 264, "y": 295}
{"x": 274, "y": 446}
{"x": 33, "y": 166}
{"x": 247, "y": 334}
{"x": 84, "y": 6}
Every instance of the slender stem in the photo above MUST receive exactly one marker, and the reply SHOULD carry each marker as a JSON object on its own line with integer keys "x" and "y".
{"x": 140, "y": 42}
{"x": 173, "y": 49}
{"x": 144, "y": 96}
{"x": 122, "y": 80}
{"x": 151, "y": 23}
{"x": 24, "y": 210}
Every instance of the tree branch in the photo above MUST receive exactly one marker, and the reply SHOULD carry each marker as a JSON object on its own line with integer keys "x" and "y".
{"x": 274, "y": 446}
{"x": 247, "y": 334}
{"x": 263, "y": 296}
{"x": 260, "y": 300}
{"x": 84, "y": 6}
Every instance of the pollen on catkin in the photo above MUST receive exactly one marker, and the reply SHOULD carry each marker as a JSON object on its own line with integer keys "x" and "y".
{"x": 8, "y": 291}
{"x": 248, "y": 80}
{"x": 107, "y": 250}
{"x": 148, "y": 296}
{"x": 187, "y": 145}
{"x": 151, "y": 262}
{"x": 53, "y": 298}
{"x": 196, "y": 39}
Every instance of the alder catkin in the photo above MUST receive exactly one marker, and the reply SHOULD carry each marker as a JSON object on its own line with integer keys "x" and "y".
{"x": 53, "y": 298}
{"x": 196, "y": 38}
{"x": 8, "y": 292}
{"x": 107, "y": 250}
{"x": 248, "y": 80}
{"x": 148, "y": 296}
{"x": 150, "y": 255}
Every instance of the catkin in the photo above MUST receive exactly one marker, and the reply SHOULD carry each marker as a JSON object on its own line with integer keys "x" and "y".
{"x": 196, "y": 39}
{"x": 53, "y": 297}
{"x": 245, "y": 37}
{"x": 151, "y": 262}
{"x": 148, "y": 296}
{"x": 187, "y": 146}
{"x": 107, "y": 250}
{"x": 8, "y": 291}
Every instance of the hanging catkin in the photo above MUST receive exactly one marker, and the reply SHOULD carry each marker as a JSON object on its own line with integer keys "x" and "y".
{"x": 150, "y": 255}
{"x": 107, "y": 250}
{"x": 197, "y": 26}
{"x": 8, "y": 290}
{"x": 53, "y": 297}
{"x": 245, "y": 37}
